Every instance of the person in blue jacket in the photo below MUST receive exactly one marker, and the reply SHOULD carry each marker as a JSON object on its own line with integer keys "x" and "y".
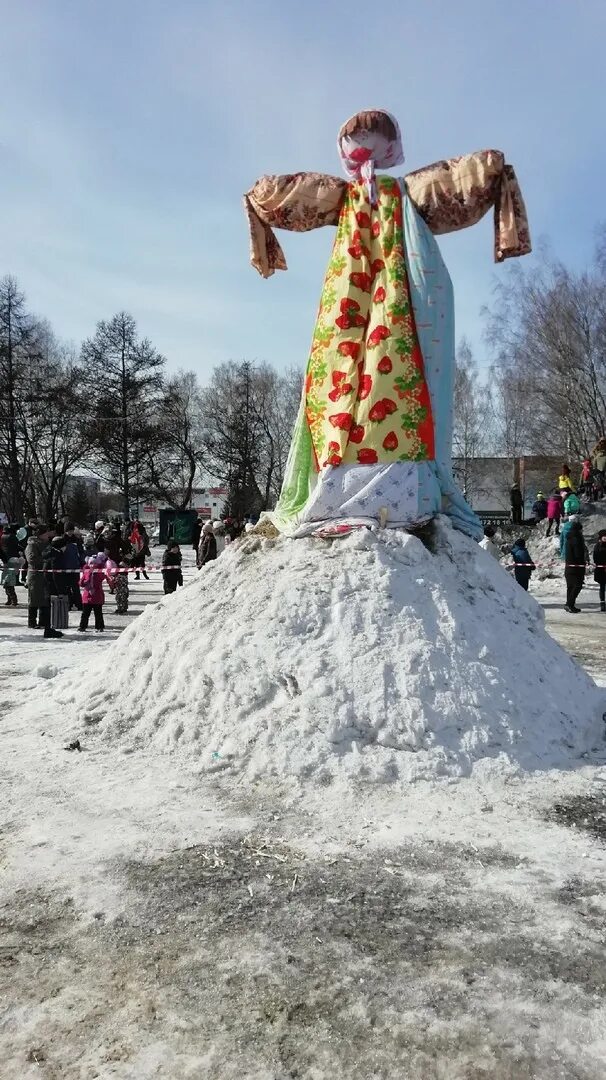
{"x": 564, "y": 533}
{"x": 539, "y": 507}
{"x": 523, "y": 563}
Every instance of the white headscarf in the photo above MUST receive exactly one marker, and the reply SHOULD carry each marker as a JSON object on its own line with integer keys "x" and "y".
{"x": 366, "y": 151}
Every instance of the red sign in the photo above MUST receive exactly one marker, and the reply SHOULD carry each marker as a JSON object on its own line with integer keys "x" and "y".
{"x": 217, "y": 491}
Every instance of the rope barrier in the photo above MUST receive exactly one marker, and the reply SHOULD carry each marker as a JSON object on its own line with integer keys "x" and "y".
{"x": 176, "y": 566}
{"x": 550, "y": 565}
{"x": 101, "y": 569}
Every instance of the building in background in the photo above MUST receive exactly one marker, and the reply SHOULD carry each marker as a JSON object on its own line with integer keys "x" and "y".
{"x": 486, "y": 481}
{"x": 207, "y": 502}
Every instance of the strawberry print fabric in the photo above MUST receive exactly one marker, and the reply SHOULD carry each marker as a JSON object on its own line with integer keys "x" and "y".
{"x": 366, "y": 396}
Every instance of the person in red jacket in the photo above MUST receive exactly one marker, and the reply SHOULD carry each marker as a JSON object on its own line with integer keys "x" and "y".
{"x": 554, "y": 512}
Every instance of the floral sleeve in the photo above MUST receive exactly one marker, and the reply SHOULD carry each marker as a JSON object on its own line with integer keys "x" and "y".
{"x": 451, "y": 195}
{"x": 299, "y": 202}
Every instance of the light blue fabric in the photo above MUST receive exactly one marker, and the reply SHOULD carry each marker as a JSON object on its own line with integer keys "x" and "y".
{"x": 433, "y": 305}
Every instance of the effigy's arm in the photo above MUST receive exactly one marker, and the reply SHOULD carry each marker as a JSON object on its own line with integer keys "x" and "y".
{"x": 299, "y": 202}
{"x": 451, "y": 195}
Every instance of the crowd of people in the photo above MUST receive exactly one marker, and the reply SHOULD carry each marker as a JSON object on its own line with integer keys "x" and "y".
{"x": 565, "y": 498}
{"x": 573, "y": 552}
{"x": 212, "y": 537}
{"x": 561, "y": 509}
{"x": 63, "y": 567}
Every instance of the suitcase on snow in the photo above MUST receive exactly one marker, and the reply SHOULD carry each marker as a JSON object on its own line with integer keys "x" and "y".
{"x": 59, "y": 613}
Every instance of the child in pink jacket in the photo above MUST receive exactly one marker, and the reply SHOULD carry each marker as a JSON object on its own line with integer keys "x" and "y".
{"x": 555, "y": 510}
{"x": 91, "y": 590}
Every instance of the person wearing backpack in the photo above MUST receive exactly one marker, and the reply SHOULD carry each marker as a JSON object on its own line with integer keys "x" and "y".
{"x": 523, "y": 564}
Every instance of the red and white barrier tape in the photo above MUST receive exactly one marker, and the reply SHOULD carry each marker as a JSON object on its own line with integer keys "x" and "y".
{"x": 550, "y": 565}
{"x": 108, "y": 571}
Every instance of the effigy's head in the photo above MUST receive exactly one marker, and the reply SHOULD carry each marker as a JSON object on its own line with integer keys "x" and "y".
{"x": 370, "y": 140}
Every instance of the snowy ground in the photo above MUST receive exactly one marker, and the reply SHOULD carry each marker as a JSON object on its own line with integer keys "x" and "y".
{"x": 157, "y": 925}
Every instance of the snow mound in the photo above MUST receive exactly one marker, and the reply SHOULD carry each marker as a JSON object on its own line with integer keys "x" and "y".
{"x": 365, "y": 658}
{"x": 545, "y": 550}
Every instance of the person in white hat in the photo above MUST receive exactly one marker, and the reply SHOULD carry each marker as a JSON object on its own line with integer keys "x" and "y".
{"x": 219, "y": 531}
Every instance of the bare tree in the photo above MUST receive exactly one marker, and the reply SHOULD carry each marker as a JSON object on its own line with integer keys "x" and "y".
{"x": 472, "y": 412}
{"x": 249, "y": 412}
{"x": 176, "y": 449}
{"x": 547, "y": 330}
{"x": 275, "y": 404}
{"x": 233, "y": 436}
{"x": 53, "y": 420}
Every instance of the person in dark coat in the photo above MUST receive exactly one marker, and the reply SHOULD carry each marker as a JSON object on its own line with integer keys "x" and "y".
{"x": 139, "y": 543}
{"x": 74, "y": 561}
{"x": 517, "y": 504}
{"x": 55, "y": 565}
{"x": 575, "y": 555}
{"x": 208, "y": 546}
{"x": 9, "y": 545}
{"x": 599, "y": 573}
{"x": 523, "y": 563}
{"x": 197, "y": 532}
{"x": 539, "y": 507}
{"x": 115, "y": 547}
{"x": 171, "y": 567}
{"x": 38, "y": 553}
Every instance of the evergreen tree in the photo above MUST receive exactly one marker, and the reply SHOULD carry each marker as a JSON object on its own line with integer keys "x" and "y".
{"x": 123, "y": 377}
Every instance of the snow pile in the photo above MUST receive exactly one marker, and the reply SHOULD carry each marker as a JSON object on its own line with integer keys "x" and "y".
{"x": 368, "y": 657}
{"x": 545, "y": 550}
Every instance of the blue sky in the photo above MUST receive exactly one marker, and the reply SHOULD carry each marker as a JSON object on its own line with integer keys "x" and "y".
{"x": 130, "y": 129}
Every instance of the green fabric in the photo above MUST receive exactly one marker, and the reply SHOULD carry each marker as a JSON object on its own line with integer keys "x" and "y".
{"x": 299, "y": 475}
